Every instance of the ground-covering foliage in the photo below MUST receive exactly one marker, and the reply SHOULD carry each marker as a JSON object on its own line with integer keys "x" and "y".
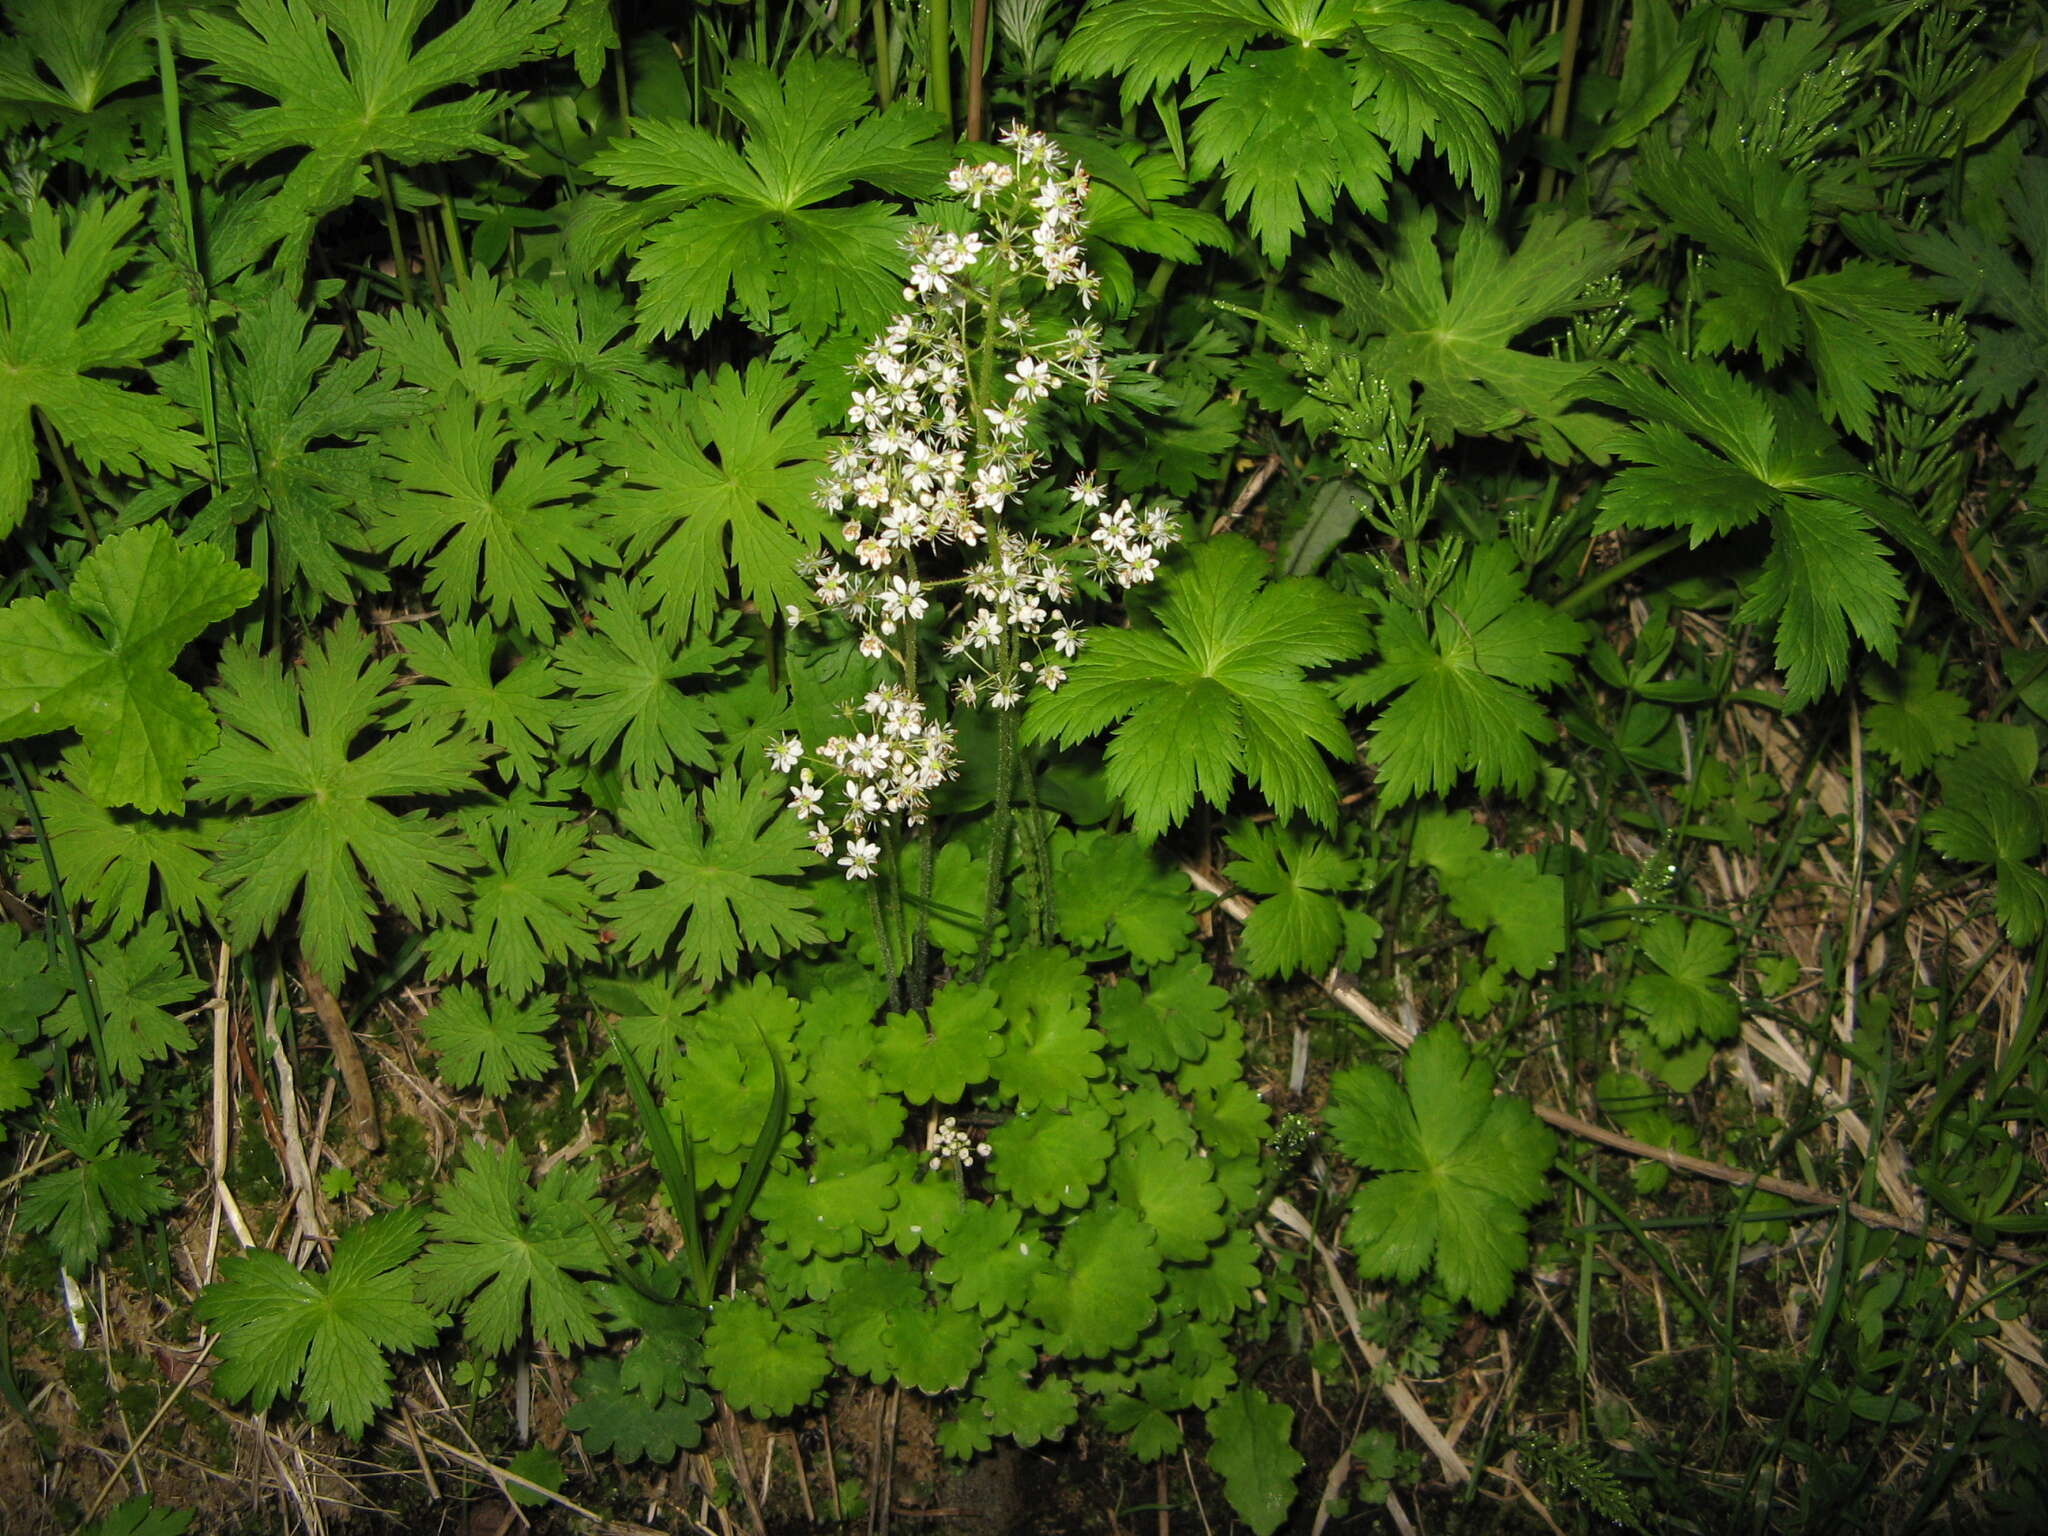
{"x": 774, "y": 767}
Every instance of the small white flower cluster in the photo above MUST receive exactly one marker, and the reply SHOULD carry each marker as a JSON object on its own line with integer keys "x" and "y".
{"x": 952, "y": 1144}
{"x": 927, "y": 471}
{"x": 886, "y": 770}
{"x": 1037, "y": 208}
{"x": 943, "y": 410}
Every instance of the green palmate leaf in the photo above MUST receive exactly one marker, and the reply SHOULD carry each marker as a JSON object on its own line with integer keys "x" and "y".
{"x": 125, "y": 864}
{"x": 936, "y": 1059}
{"x": 1452, "y": 335}
{"x": 1865, "y": 327}
{"x": 1436, "y": 71}
{"x": 300, "y": 465}
{"x": 1013, "y": 1406}
{"x": 508, "y": 1252}
{"x": 1049, "y": 1161}
{"x": 488, "y": 1043}
{"x": 731, "y": 229}
{"x": 140, "y": 1516}
{"x": 29, "y": 987}
{"x": 1163, "y": 225}
{"x": 1992, "y": 812}
{"x": 666, "y": 1359}
{"x": 79, "y": 1203}
{"x": 616, "y": 1419}
{"x": 857, "y": 1109}
{"x": 342, "y": 105}
{"x": 635, "y": 692}
{"x": 719, "y": 493}
{"x": 138, "y": 980}
{"x": 1251, "y": 1445}
{"x": 326, "y": 1336}
{"x": 20, "y": 1079}
{"x": 97, "y": 660}
{"x": 456, "y": 350}
{"x": 722, "y": 870}
{"x": 1215, "y": 691}
{"x": 832, "y": 1210}
{"x": 1292, "y": 125}
{"x": 1181, "y": 1205}
{"x": 860, "y": 1317}
{"x": 1993, "y": 265}
{"x": 1298, "y": 925}
{"x": 764, "y": 1363}
{"x": 72, "y": 55}
{"x": 1460, "y": 1166}
{"x": 1684, "y": 998}
{"x": 65, "y": 327}
{"x": 526, "y": 908}
{"x": 1715, "y": 454}
{"x": 936, "y": 1349}
{"x": 1147, "y": 44}
{"x": 1458, "y": 683}
{"x": 458, "y": 686}
{"x": 289, "y": 746}
{"x": 1170, "y": 1017}
{"x": 1050, "y": 1051}
{"x": 507, "y": 542}
{"x": 1281, "y": 128}
{"x": 1508, "y": 896}
{"x": 1110, "y": 888}
{"x": 1912, "y": 719}
{"x": 1099, "y": 1294}
{"x": 988, "y": 1259}
{"x": 574, "y": 341}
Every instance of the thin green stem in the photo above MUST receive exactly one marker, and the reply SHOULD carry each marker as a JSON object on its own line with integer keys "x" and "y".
{"x": 884, "y": 949}
{"x": 60, "y": 917}
{"x": 885, "y": 55}
{"x": 1621, "y": 570}
{"x": 921, "y": 944}
{"x": 1561, "y": 96}
{"x": 196, "y": 286}
{"x": 977, "y": 66}
{"x": 54, "y": 446}
{"x": 401, "y": 264}
{"x": 999, "y": 828}
{"x": 938, "y": 91}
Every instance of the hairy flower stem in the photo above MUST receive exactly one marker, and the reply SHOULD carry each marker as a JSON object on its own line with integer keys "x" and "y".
{"x": 999, "y": 836}
{"x": 401, "y": 264}
{"x": 1039, "y": 850}
{"x": 879, "y": 919}
{"x": 921, "y": 945}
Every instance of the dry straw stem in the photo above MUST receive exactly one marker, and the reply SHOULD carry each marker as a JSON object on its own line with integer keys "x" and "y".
{"x": 2019, "y": 1351}
{"x": 1345, "y": 992}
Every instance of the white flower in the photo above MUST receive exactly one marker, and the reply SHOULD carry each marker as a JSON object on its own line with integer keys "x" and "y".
{"x": 1052, "y": 677}
{"x": 1066, "y": 639}
{"x": 902, "y": 600}
{"x": 786, "y": 753}
{"x": 805, "y": 799}
{"x": 982, "y": 630}
{"x": 871, "y": 647}
{"x": 859, "y": 859}
{"x": 1034, "y": 379}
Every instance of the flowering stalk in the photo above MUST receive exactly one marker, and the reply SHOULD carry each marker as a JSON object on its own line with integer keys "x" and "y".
{"x": 945, "y": 517}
